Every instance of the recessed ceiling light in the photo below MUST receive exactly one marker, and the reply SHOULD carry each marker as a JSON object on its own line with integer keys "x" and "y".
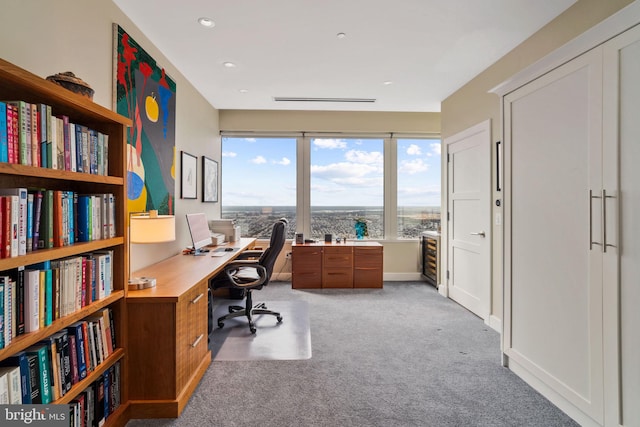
{"x": 229, "y": 64}
{"x": 243, "y": 91}
{"x": 387, "y": 83}
{"x": 341, "y": 35}
{"x": 206, "y": 22}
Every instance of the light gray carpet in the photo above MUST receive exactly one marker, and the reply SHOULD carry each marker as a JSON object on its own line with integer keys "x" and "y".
{"x": 398, "y": 356}
{"x": 287, "y": 340}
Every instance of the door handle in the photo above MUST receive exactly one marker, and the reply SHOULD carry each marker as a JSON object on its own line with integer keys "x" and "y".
{"x": 605, "y": 245}
{"x": 479, "y": 233}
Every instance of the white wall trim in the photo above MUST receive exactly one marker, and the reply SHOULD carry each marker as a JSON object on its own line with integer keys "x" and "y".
{"x": 495, "y": 323}
{"x": 612, "y": 26}
{"x": 402, "y": 277}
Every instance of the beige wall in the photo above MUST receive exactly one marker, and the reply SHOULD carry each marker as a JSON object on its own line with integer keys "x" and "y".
{"x": 328, "y": 121}
{"x": 46, "y": 37}
{"x": 473, "y": 103}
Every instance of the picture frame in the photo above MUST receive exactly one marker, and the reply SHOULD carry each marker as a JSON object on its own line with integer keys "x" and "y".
{"x": 188, "y": 176}
{"x": 209, "y": 180}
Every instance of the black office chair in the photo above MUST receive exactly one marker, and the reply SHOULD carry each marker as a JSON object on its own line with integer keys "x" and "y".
{"x": 250, "y": 274}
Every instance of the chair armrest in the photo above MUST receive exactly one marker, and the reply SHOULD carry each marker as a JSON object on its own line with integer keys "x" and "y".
{"x": 250, "y": 253}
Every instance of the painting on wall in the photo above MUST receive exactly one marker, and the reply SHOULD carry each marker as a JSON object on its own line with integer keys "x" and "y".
{"x": 209, "y": 180}
{"x": 147, "y": 95}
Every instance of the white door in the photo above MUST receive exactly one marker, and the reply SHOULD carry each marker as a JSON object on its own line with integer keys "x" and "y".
{"x": 469, "y": 218}
{"x": 553, "y": 234}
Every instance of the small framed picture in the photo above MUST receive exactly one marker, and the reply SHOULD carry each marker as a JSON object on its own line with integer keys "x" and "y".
{"x": 188, "y": 177}
{"x": 209, "y": 180}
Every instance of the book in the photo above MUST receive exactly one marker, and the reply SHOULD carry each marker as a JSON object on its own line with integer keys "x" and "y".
{"x": 4, "y": 143}
{"x": 32, "y": 300}
{"x": 29, "y": 230}
{"x": 43, "y": 126}
{"x": 20, "y": 360}
{"x": 52, "y": 142}
{"x": 54, "y": 378}
{"x": 84, "y": 216}
{"x": 37, "y": 212}
{"x": 5, "y": 207}
{"x": 4, "y": 283}
{"x": 62, "y": 343}
{"x": 76, "y": 330}
{"x": 34, "y": 377}
{"x": 12, "y": 132}
{"x": 35, "y": 135}
{"x": 13, "y": 384}
{"x": 45, "y": 374}
{"x": 98, "y": 387}
{"x": 22, "y": 143}
{"x": 12, "y": 216}
{"x": 4, "y": 387}
{"x": 73, "y": 357}
{"x": 17, "y": 276}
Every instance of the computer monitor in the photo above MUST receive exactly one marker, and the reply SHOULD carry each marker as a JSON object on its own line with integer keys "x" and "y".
{"x": 199, "y": 229}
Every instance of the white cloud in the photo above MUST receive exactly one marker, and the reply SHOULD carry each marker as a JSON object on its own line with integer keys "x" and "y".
{"x": 229, "y": 154}
{"x": 352, "y": 174}
{"x": 413, "y": 166}
{"x": 414, "y": 150}
{"x": 367, "y": 157}
{"x": 284, "y": 161}
{"x": 258, "y": 160}
{"x": 329, "y": 143}
{"x": 436, "y": 148}
{"x": 250, "y": 139}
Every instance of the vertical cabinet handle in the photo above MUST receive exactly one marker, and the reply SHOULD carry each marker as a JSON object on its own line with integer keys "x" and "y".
{"x": 603, "y": 197}
{"x": 196, "y": 299}
{"x": 605, "y": 245}
{"x": 591, "y": 242}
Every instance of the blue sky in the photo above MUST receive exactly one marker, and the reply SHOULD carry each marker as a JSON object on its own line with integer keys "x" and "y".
{"x": 344, "y": 172}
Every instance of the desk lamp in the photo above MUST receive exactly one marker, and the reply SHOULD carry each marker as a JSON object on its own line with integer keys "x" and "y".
{"x": 149, "y": 227}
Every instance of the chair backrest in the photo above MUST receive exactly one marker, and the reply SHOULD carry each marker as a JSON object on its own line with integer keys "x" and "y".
{"x": 276, "y": 243}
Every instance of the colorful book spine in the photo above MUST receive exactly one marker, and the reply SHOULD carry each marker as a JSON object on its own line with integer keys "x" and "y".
{"x": 20, "y": 360}
{"x": 30, "y": 199}
{"x": 4, "y": 142}
{"x": 42, "y": 356}
{"x": 35, "y": 135}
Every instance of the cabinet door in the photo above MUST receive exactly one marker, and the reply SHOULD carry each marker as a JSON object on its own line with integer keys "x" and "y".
{"x": 306, "y": 267}
{"x": 553, "y": 275}
{"x": 622, "y": 261}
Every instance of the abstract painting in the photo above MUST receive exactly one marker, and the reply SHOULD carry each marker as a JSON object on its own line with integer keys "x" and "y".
{"x": 147, "y": 95}
{"x": 209, "y": 180}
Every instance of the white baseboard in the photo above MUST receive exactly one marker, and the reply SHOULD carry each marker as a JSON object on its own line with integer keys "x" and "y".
{"x": 401, "y": 277}
{"x": 495, "y": 323}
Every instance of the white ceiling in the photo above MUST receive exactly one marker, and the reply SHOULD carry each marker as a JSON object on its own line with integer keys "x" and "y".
{"x": 289, "y": 48}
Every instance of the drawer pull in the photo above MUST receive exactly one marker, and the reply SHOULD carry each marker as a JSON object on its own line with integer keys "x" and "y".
{"x": 195, "y": 343}
{"x": 196, "y": 299}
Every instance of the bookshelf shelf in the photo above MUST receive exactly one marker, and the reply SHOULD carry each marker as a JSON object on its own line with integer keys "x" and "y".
{"x": 17, "y": 84}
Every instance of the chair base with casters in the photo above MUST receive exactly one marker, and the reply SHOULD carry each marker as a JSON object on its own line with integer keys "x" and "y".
{"x": 248, "y": 311}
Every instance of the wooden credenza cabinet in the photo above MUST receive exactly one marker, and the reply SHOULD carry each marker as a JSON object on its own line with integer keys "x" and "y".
{"x": 340, "y": 265}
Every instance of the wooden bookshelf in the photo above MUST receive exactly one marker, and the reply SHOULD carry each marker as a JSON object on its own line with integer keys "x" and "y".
{"x": 19, "y": 84}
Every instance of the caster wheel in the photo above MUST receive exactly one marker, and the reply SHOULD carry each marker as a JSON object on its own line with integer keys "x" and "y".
{"x": 230, "y": 309}
{"x": 220, "y": 325}
{"x": 253, "y": 330}
{"x": 279, "y": 318}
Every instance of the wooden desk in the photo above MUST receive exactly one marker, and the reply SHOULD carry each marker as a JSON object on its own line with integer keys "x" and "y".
{"x": 354, "y": 264}
{"x": 167, "y": 332}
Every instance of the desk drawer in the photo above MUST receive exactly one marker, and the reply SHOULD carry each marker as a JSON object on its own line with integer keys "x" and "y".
{"x": 337, "y": 257}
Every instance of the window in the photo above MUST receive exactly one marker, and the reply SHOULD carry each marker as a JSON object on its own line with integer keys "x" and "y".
{"x": 259, "y": 183}
{"x": 347, "y": 182}
{"x": 418, "y": 186}
{"x": 322, "y": 183}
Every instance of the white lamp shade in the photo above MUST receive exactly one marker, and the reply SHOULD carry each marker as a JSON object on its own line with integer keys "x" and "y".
{"x": 152, "y": 229}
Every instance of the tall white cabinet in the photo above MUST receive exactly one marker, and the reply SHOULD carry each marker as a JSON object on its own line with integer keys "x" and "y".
{"x": 572, "y": 231}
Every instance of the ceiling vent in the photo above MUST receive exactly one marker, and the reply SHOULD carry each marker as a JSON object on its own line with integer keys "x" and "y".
{"x": 294, "y": 99}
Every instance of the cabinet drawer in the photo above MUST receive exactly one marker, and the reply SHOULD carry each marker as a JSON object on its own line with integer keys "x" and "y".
{"x": 191, "y": 332}
{"x": 337, "y": 277}
{"x": 337, "y": 257}
{"x": 368, "y": 278}
{"x": 306, "y": 279}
